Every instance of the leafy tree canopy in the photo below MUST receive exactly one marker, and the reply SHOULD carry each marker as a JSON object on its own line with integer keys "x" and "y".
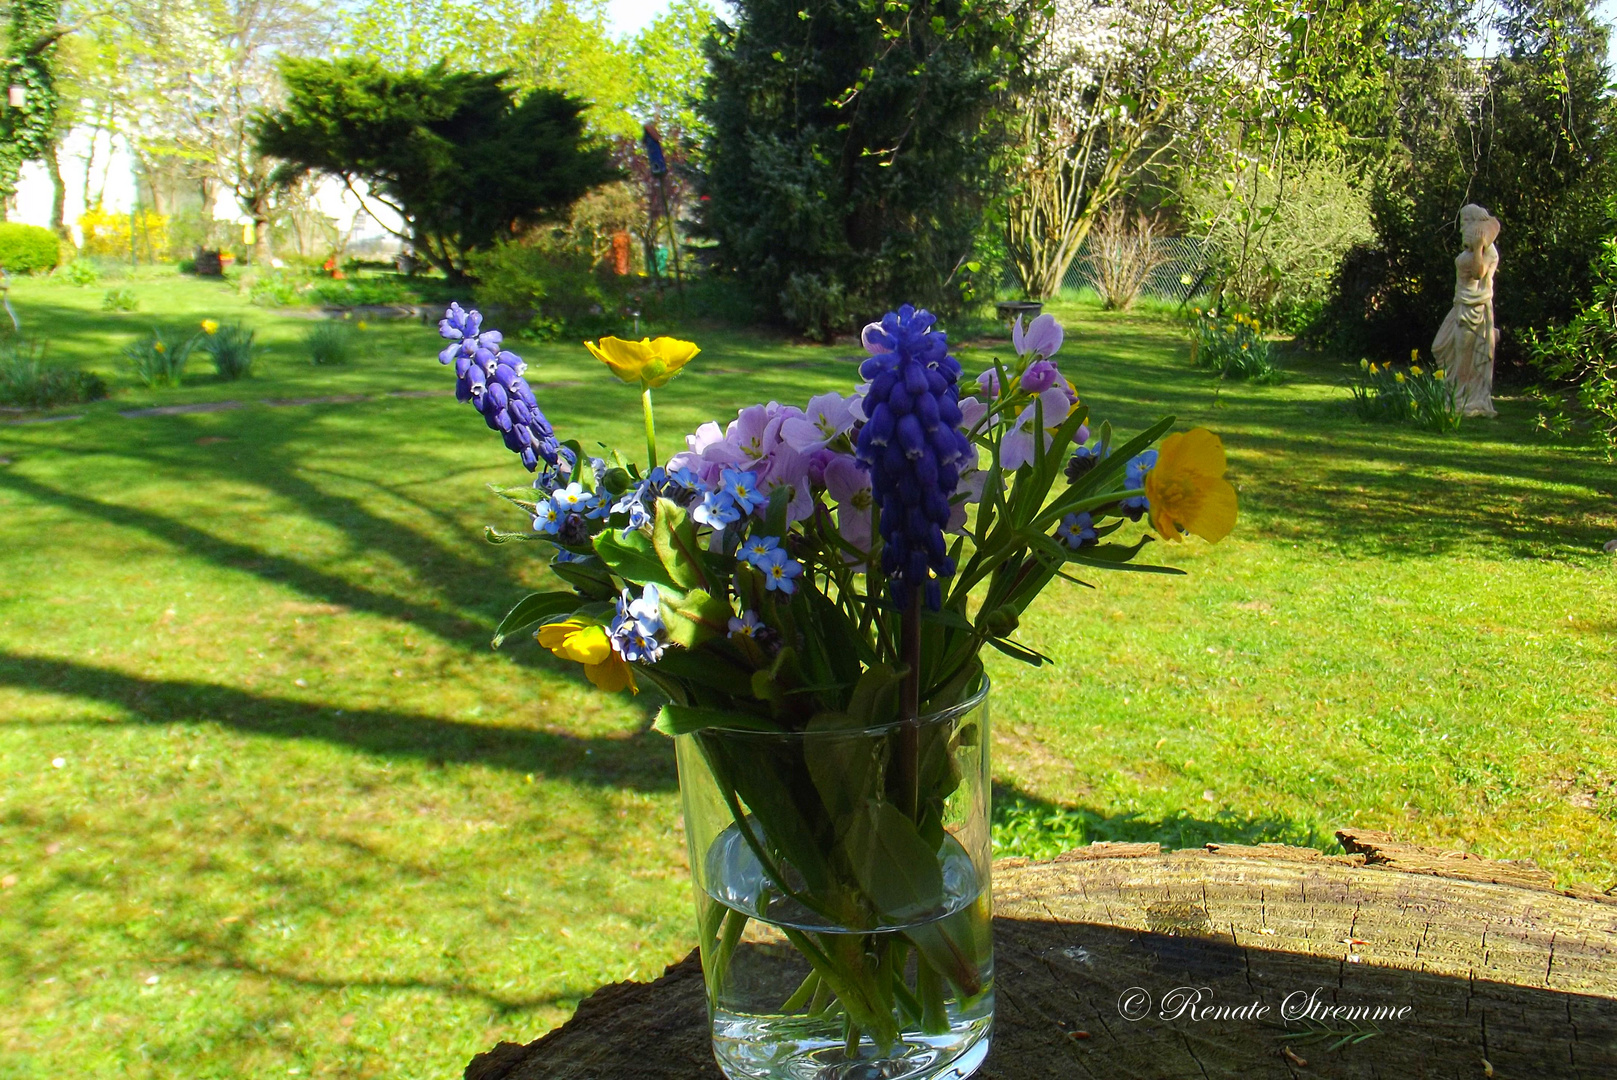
{"x": 1529, "y": 133}
{"x": 566, "y": 44}
{"x": 455, "y": 154}
{"x": 853, "y": 148}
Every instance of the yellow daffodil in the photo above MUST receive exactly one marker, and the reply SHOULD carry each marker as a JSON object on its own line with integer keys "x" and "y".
{"x": 210, "y": 326}
{"x": 585, "y": 642}
{"x": 1415, "y": 369}
{"x": 1186, "y": 488}
{"x": 1440, "y": 374}
{"x": 1398, "y": 376}
{"x": 159, "y": 346}
{"x": 1373, "y": 369}
{"x": 646, "y": 362}
{"x": 1414, "y": 355}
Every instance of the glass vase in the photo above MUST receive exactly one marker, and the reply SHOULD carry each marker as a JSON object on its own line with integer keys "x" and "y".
{"x": 842, "y": 895}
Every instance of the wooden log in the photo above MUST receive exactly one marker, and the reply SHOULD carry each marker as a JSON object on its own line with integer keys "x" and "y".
{"x": 1122, "y": 961}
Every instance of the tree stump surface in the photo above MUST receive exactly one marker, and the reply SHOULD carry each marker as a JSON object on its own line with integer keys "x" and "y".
{"x": 1497, "y": 972}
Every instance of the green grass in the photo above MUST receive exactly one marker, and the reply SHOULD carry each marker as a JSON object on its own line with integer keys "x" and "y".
{"x": 306, "y": 820}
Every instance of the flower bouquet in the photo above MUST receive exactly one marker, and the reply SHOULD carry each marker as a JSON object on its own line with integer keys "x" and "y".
{"x": 811, "y": 590}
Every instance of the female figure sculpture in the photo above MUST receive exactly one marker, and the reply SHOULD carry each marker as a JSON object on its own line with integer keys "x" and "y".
{"x": 1465, "y": 342}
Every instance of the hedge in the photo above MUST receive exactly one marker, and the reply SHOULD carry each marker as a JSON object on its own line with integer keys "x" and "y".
{"x": 27, "y": 249}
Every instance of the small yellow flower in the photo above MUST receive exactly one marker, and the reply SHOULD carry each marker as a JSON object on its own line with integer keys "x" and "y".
{"x": 1374, "y": 369}
{"x": 1186, "y": 489}
{"x": 586, "y": 643}
{"x": 1363, "y": 363}
{"x": 210, "y": 326}
{"x": 363, "y": 325}
{"x": 158, "y": 346}
{"x": 646, "y": 362}
{"x": 1415, "y": 369}
{"x": 1414, "y": 355}
{"x": 1440, "y": 374}
{"x": 1398, "y": 376}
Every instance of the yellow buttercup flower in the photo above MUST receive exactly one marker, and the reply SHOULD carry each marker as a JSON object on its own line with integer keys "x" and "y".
{"x": 210, "y": 326}
{"x": 647, "y": 362}
{"x": 585, "y": 642}
{"x": 1186, "y": 488}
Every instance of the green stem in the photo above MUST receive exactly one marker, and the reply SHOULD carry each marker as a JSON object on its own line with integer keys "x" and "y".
{"x": 651, "y": 428}
{"x": 809, "y": 989}
{"x": 734, "y": 924}
{"x": 929, "y": 986}
{"x": 909, "y": 736}
{"x": 823, "y": 998}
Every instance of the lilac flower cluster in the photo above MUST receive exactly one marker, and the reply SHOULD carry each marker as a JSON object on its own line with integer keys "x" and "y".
{"x": 491, "y": 379}
{"x": 912, "y": 446}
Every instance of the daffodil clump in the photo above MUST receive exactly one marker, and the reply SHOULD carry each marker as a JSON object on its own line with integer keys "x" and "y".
{"x": 1412, "y": 394}
{"x": 1232, "y": 345}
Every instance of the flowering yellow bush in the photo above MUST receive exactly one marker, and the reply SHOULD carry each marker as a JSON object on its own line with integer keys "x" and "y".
{"x": 106, "y": 232}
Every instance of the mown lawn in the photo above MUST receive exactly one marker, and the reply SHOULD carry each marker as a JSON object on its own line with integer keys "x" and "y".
{"x": 269, "y": 805}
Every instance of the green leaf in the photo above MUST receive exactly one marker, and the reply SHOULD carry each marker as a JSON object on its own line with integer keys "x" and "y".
{"x": 875, "y": 696}
{"x": 683, "y": 719}
{"x": 894, "y": 867}
{"x": 590, "y": 579}
{"x": 673, "y": 538}
{"x": 495, "y": 536}
{"x": 1021, "y": 652}
{"x": 694, "y": 617}
{"x": 533, "y": 609}
{"x": 846, "y": 769}
{"x": 632, "y": 557}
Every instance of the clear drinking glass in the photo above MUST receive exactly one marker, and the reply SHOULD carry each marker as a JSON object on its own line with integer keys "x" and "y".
{"x": 842, "y": 895}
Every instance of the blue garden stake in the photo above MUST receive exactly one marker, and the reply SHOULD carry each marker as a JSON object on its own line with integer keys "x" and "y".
{"x": 653, "y": 145}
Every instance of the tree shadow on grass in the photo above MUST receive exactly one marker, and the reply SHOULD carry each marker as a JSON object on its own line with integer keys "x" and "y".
{"x": 1029, "y": 826}
{"x": 642, "y": 761}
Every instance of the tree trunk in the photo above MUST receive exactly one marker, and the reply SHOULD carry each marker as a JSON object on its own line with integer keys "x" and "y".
{"x": 58, "y": 191}
{"x": 1104, "y": 956}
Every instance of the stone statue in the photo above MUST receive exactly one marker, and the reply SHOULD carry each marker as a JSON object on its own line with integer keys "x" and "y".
{"x": 1465, "y": 342}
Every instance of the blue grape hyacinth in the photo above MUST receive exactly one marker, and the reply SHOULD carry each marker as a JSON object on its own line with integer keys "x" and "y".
{"x": 912, "y": 447}
{"x": 490, "y": 377}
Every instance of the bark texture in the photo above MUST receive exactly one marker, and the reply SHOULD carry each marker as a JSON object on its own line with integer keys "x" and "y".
{"x": 1503, "y": 974}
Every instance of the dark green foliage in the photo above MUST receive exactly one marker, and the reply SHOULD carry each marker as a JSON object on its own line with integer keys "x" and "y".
{"x": 27, "y": 383}
{"x": 852, "y": 154}
{"x": 454, "y": 152}
{"x": 547, "y": 286}
{"x": 1584, "y": 352}
{"x": 29, "y": 61}
{"x": 1531, "y": 137}
{"x": 28, "y": 249}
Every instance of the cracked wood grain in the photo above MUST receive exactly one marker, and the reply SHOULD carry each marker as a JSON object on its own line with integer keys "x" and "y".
{"x": 1474, "y": 953}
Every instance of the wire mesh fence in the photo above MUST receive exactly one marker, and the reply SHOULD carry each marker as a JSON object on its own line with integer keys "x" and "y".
{"x": 1182, "y": 274}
